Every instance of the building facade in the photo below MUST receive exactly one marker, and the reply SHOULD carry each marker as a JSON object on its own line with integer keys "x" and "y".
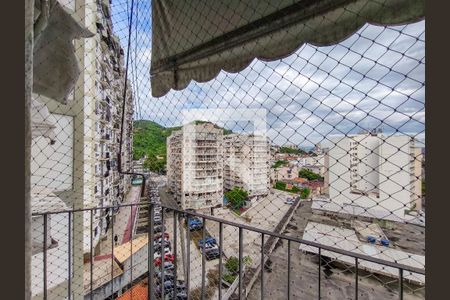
{"x": 80, "y": 166}
{"x": 110, "y": 187}
{"x": 247, "y": 163}
{"x": 284, "y": 173}
{"x": 195, "y": 165}
{"x": 376, "y": 173}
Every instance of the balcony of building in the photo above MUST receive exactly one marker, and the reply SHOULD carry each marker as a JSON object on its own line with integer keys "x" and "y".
{"x": 127, "y": 267}
{"x": 266, "y": 55}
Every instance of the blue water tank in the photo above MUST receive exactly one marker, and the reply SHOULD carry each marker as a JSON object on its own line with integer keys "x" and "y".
{"x": 385, "y": 242}
{"x": 371, "y": 239}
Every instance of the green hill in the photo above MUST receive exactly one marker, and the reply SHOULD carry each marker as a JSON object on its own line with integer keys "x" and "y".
{"x": 149, "y": 138}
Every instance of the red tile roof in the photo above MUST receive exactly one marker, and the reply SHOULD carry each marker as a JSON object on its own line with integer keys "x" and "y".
{"x": 300, "y": 180}
{"x": 137, "y": 292}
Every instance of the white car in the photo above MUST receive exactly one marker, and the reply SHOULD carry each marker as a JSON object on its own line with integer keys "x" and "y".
{"x": 158, "y": 254}
{"x": 289, "y": 201}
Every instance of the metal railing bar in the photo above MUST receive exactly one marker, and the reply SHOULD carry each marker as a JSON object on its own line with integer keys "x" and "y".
{"x": 262, "y": 266}
{"x": 306, "y": 242}
{"x": 356, "y": 278}
{"x": 277, "y": 235}
{"x": 151, "y": 268}
{"x": 112, "y": 255}
{"x": 69, "y": 258}
{"x": 56, "y": 212}
{"x": 400, "y": 283}
{"x": 289, "y": 271}
{"x": 203, "y": 259}
{"x": 45, "y": 255}
{"x": 240, "y": 262}
{"x": 175, "y": 264}
{"x": 163, "y": 253}
{"x": 320, "y": 266}
{"x": 188, "y": 256}
{"x": 131, "y": 250}
{"x": 220, "y": 258}
{"x": 91, "y": 254}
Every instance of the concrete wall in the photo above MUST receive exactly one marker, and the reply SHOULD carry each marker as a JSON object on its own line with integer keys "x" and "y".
{"x": 52, "y": 165}
{"x": 57, "y": 259}
{"x": 134, "y": 267}
{"x": 393, "y": 176}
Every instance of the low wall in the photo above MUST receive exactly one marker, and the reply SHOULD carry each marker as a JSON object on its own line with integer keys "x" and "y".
{"x": 252, "y": 274}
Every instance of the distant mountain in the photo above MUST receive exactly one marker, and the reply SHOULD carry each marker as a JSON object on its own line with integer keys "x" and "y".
{"x": 150, "y": 138}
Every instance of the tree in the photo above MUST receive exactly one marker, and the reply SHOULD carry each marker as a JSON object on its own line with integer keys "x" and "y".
{"x": 310, "y": 175}
{"x": 237, "y": 197}
{"x": 280, "y": 185}
{"x": 154, "y": 164}
{"x": 247, "y": 260}
{"x": 232, "y": 265}
{"x": 304, "y": 193}
{"x": 279, "y": 163}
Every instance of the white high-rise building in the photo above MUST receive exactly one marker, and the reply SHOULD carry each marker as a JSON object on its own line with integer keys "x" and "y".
{"x": 375, "y": 173}
{"x": 79, "y": 169}
{"x": 247, "y": 163}
{"x": 195, "y": 165}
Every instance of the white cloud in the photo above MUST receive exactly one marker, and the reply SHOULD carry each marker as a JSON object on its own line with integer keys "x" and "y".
{"x": 374, "y": 77}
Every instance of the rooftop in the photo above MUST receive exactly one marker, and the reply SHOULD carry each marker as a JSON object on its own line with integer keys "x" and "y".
{"x": 346, "y": 239}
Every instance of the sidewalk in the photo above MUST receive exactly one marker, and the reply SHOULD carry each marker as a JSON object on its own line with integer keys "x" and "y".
{"x": 123, "y": 223}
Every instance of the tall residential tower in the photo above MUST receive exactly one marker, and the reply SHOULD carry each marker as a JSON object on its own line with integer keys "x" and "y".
{"x": 246, "y": 163}
{"x": 195, "y": 165}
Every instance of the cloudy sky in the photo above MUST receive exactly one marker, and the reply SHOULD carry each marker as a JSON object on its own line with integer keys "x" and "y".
{"x": 374, "y": 78}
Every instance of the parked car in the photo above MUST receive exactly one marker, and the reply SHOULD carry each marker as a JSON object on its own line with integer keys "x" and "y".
{"x": 180, "y": 285}
{"x": 212, "y": 254}
{"x": 167, "y": 276}
{"x": 168, "y": 287}
{"x": 208, "y": 240}
{"x": 289, "y": 201}
{"x": 209, "y": 247}
{"x": 181, "y": 295}
{"x": 159, "y": 228}
{"x": 159, "y": 235}
{"x": 168, "y": 266}
{"x": 180, "y": 291}
{"x": 158, "y": 253}
{"x": 168, "y": 257}
{"x": 194, "y": 224}
{"x": 157, "y": 244}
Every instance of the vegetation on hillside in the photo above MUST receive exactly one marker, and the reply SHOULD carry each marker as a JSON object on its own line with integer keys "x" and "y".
{"x": 310, "y": 175}
{"x": 150, "y": 139}
{"x": 291, "y": 150}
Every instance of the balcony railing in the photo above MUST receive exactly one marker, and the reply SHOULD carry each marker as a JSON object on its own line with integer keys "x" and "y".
{"x": 121, "y": 266}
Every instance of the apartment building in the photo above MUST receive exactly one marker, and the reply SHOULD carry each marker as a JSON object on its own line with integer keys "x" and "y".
{"x": 110, "y": 187}
{"x": 313, "y": 163}
{"x": 79, "y": 167}
{"x": 81, "y": 162}
{"x": 195, "y": 165}
{"x": 380, "y": 174}
{"x": 247, "y": 163}
{"x": 283, "y": 173}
